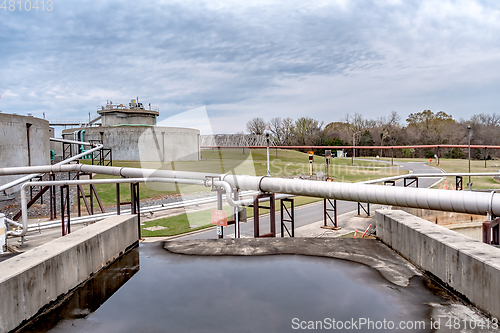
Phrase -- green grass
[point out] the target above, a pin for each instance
(179, 224)
(107, 192)
(454, 165)
(461, 165)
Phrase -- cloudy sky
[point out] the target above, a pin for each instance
(243, 59)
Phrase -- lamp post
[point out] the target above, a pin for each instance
(267, 132)
(468, 136)
(354, 146)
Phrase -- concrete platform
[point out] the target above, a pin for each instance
(348, 223)
(467, 266)
(32, 280)
(365, 251)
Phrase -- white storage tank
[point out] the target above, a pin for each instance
(143, 142)
(132, 134)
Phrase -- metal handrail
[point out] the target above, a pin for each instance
(118, 107)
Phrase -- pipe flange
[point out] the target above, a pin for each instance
(490, 206)
(260, 181)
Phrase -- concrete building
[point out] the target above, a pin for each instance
(24, 141)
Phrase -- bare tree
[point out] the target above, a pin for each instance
(425, 127)
(288, 126)
(306, 130)
(256, 126)
(276, 127)
(394, 119)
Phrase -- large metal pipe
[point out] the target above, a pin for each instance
(108, 170)
(453, 201)
(28, 177)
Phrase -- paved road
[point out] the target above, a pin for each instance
(314, 212)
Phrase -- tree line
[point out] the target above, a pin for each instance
(420, 128)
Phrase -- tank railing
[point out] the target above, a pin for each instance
(110, 107)
(67, 121)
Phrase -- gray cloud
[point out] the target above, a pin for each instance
(243, 60)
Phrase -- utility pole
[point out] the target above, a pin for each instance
(468, 136)
(354, 146)
(267, 132)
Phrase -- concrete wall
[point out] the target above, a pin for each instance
(145, 143)
(473, 230)
(31, 280)
(55, 146)
(14, 144)
(468, 266)
(118, 118)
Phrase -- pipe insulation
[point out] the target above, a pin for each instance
(32, 175)
(453, 201)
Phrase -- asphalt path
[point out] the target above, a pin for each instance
(311, 213)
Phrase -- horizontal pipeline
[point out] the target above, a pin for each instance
(453, 201)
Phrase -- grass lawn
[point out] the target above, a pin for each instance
(454, 165)
(179, 224)
(461, 165)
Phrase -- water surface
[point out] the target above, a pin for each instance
(152, 290)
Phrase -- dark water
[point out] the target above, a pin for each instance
(151, 290)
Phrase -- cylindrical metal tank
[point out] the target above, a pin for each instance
(24, 141)
(143, 142)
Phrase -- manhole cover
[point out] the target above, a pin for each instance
(155, 228)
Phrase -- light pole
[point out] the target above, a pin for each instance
(353, 146)
(267, 132)
(468, 136)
